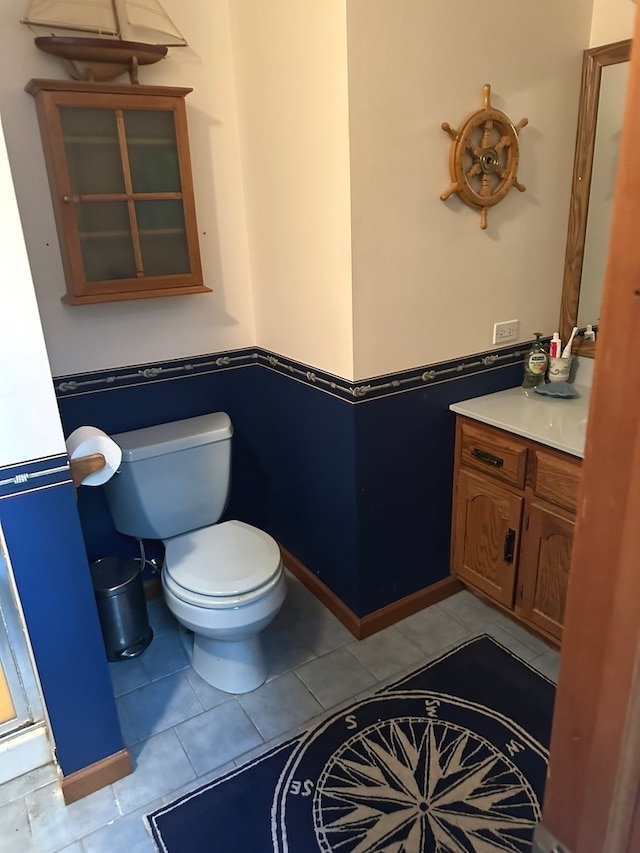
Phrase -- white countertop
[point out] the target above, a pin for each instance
(554, 421)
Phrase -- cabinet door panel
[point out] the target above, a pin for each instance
(152, 151)
(105, 240)
(92, 151)
(544, 568)
(163, 237)
(486, 536)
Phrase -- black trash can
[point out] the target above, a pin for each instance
(117, 584)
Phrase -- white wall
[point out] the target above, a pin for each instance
(291, 65)
(345, 252)
(428, 283)
(612, 21)
(424, 283)
(91, 337)
(29, 421)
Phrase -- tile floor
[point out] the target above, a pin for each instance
(182, 733)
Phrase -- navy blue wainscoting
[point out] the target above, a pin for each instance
(355, 481)
(47, 554)
(405, 452)
(306, 444)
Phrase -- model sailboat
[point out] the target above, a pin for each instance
(117, 35)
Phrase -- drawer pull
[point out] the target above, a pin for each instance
(487, 458)
(509, 544)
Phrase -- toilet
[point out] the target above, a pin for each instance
(223, 582)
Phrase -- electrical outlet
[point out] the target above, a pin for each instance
(507, 331)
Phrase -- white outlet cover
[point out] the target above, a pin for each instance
(505, 331)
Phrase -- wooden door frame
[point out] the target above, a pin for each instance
(591, 800)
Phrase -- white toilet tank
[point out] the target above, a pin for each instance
(173, 478)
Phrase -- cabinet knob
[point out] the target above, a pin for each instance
(66, 199)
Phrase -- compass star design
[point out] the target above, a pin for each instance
(416, 785)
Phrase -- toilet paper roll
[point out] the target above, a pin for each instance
(89, 439)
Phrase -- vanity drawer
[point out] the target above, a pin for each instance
(557, 479)
(495, 452)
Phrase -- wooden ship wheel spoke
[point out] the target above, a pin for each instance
(484, 157)
(486, 136)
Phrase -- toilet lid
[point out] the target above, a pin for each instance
(226, 559)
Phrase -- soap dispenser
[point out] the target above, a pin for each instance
(536, 362)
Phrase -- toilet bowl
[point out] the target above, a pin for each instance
(225, 583)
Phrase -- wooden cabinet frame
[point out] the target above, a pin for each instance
(513, 520)
(51, 97)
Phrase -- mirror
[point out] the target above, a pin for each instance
(600, 117)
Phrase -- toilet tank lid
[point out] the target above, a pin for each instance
(172, 437)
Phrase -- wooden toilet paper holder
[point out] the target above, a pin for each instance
(85, 465)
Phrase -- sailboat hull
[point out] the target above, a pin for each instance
(100, 59)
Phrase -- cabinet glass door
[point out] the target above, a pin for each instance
(124, 173)
(95, 167)
(155, 170)
(119, 170)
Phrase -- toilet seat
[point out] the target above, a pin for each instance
(222, 566)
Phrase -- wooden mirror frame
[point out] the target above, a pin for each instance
(595, 59)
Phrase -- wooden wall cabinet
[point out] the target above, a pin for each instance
(513, 519)
(119, 170)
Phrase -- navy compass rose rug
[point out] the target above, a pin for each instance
(449, 759)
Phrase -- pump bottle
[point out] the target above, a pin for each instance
(536, 362)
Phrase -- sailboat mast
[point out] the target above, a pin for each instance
(122, 19)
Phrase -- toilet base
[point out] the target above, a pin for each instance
(234, 666)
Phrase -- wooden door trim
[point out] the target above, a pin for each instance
(591, 790)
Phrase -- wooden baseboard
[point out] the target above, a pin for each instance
(365, 626)
(321, 592)
(393, 613)
(95, 776)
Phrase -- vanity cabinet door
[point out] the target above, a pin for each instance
(486, 536)
(544, 568)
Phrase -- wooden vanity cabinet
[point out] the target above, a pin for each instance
(119, 170)
(513, 520)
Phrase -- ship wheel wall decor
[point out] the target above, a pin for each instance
(484, 157)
